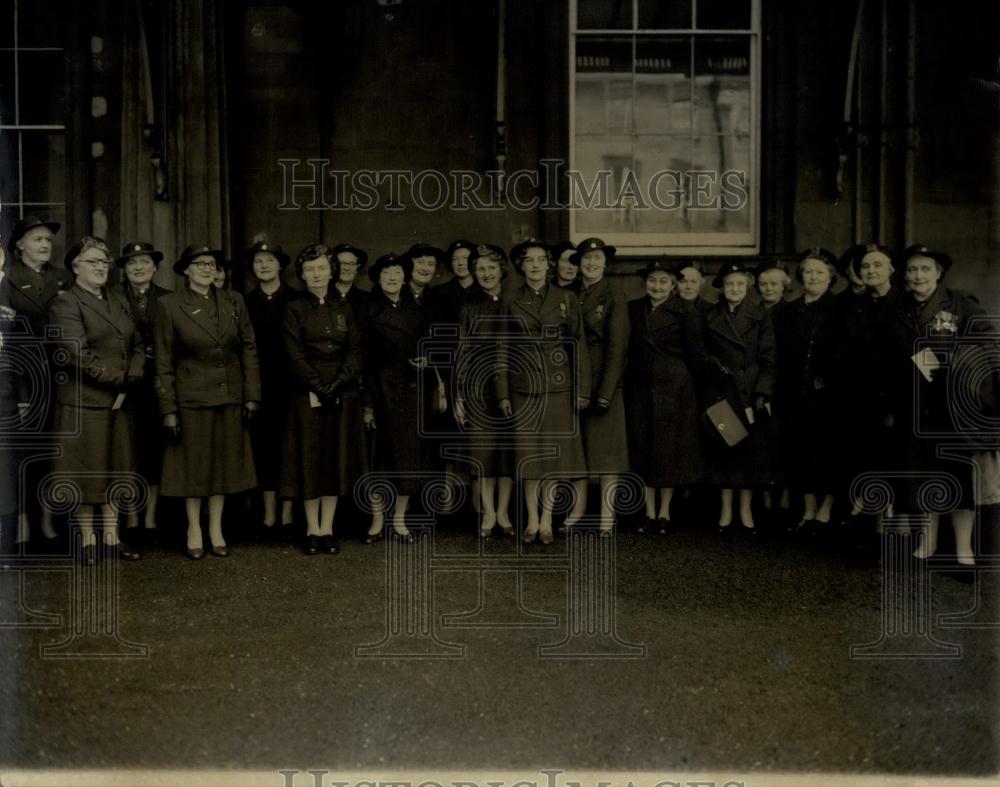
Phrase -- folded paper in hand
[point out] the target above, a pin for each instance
(927, 362)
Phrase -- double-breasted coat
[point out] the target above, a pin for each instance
(606, 328)
(666, 443)
(543, 368)
(805, 402)
(324, 444)
(145, 404)
(922, 410)
(206, 371)
(483, 327)
(741, 366)
(267, 315)
(399, 393)
(106, 359)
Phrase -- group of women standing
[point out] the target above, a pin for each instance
(302, 391)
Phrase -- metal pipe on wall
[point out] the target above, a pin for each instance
(883, 133)
(912, 138)
(501, 110)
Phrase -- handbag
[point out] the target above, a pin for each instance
(723, 420)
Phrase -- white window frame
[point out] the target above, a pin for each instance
(644, 244)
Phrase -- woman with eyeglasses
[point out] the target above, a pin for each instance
(324, 446)
(208, 381)
(94, 405)
(543, 384)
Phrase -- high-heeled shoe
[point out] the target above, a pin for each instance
(329, 545)
(403, 537)
(311, 547)
(90, 555)
(121, 551)
(566, 527)
(196, 553)
(647, 528)
(529, 535)
(374, 538)
(664, 525)
(220, 550)
(545, 536)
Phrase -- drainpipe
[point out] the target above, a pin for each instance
(500, 143)
(912, 134)
(883, 132)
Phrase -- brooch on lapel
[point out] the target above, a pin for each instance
(562, 309)
(944, 323)
(599, 311)
(341, 322)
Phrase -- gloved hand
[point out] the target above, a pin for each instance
(250, 410)
(602, 406)
(328, 393)
(172, 426)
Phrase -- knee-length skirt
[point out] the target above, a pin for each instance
(605, 440)
(323, 448)
(212, 456)
(98, 456)
(548, 443)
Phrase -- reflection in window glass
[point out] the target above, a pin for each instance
(604, 14)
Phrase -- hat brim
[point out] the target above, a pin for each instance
(609, 253)
(720, 278)
(403, 262)
(54, 227)
(220, 258)
(156, 256)
(283, 259)
(939, 257)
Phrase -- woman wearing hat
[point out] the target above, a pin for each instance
(806, 331)
(94, 408)
(739, 345)
(394, 374)
(324, 447)
(690, 279)
(348, 262)
(606, 326)
(266, 306)
(425, 260)
(140, 262)
(866, 411)
(926, 331)
(454, 294)
(34, 284)
(567, 268)
(538, 387)
(661, 405)
(208, 381)
(477, 407)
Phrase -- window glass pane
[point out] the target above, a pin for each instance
(663, 86)
(662, 163)
(6, 24)
(8, 169)
(664, 14)
(604, 14)
(44, 166)
(720, 194)
(603, 86)
(722, 86)
(723, 14)
(41, 23)
(42, 78)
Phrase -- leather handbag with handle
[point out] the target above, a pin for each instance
(725, 422)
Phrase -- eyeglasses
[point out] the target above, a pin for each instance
(345, 264)
(204, 265)
(103, 261)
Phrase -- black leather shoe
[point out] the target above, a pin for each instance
(121, 551)
(404, 538)
(312, 545)
(195, 554)
(664, 524)
(648, 528)
(90, 555)
(220, 551)
(374, 538)
(328, 545)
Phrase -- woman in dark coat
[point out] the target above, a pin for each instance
(348, 262)
(739, 346)
(864, 401)
(140, 262)
(34, 284)
(566, 272)
(926, 334)
(397, 381)
(806, 333)
(537, 384)
(324, 446)
(661, 404)
(208, 381)
(93, 410)
(266, 306)
(606, 327)
(476, 405)
(690, 280)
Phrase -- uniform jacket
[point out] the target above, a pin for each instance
(745, 345)
(483, 325)
(392, 334)
(806, 337)
(202, 362)
(322, 342)
(546, 335)
(144, 326)
(31, 294)
(102, 343)
(606, 325)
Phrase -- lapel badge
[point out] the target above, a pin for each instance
(341, 322)
(599, 311)
(562, 309)
(945, 323)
